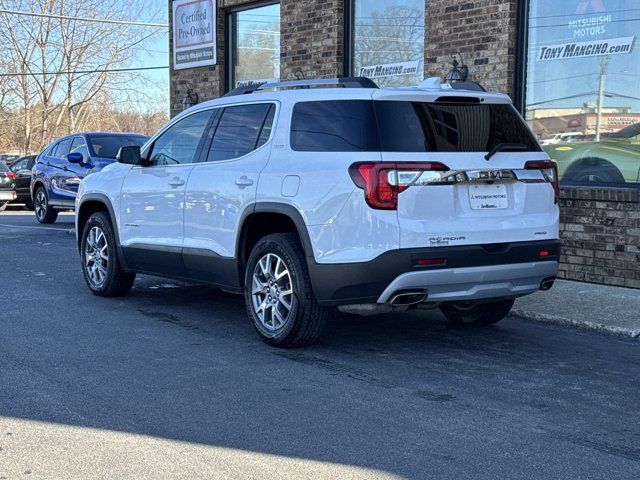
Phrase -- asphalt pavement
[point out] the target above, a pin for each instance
(172, 382)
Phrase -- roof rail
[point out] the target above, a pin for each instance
(243, 90)
(344, 82)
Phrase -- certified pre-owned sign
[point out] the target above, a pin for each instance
(609, 46)
(194, 33)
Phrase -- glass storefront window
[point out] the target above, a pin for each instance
(582, 89)
(255, 45)
(388, 41)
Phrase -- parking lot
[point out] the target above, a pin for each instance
(172, 382)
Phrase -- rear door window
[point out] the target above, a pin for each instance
(239, 131)
(333, 126)
(20, 165)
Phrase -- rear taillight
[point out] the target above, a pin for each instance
(383, 181)
(549, 171)
(11, 175)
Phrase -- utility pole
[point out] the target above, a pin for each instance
(604, 60)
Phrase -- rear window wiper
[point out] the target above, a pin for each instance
(501, 147)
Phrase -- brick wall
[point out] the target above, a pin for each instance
(600, 231)
(483, 31)
(311, 43)
(207, 82)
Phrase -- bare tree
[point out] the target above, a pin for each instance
(390, 36)
(65, 65)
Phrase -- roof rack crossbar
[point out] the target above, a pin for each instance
(344, 82)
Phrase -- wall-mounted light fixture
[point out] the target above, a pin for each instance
(459, 72)
(189, 100)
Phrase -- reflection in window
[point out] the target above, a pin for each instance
(388, 41)
(255, 52)
(238, 132)
(582, 93)
(333, 126)
(179, 143)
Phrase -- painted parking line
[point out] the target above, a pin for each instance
(67, 230)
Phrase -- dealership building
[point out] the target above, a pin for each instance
(572, 68)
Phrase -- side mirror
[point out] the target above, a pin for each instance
(129, 155)
(75, 157)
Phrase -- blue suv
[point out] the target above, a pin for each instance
(66, 161)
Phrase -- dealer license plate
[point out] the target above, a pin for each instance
(488, 196)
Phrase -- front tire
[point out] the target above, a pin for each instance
(45, 213)
(278, 294)
(101, 266)
(476, 314)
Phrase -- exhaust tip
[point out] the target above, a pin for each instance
(547, 283)
(408, 297)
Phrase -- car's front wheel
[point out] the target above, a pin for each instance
(278, 294)
(476, 314)
(101, 266)
(45, 213)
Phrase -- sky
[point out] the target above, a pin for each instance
(155, 53)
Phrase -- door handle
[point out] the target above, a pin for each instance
(176, 182)
(244, 181)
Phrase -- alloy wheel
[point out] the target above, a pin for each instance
(272, 292)
(96, 256)
(41, 204)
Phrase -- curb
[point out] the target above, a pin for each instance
(583, 324)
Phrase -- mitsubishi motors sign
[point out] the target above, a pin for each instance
(194, 33)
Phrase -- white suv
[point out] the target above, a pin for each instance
(314, 194)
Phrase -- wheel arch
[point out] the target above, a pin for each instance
(90, 204)
(37, 183)
(262, 219)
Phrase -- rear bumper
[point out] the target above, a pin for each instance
(7, 195)
(474, 283)
(467, 273)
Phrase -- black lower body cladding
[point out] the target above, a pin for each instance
(348, 283)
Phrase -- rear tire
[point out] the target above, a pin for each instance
(476, 314)
(29, 206)
(45, 213)
(278, 294)
(101, 267)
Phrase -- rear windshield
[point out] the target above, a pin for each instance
(3, 167)
(400, 126)
(107, 146)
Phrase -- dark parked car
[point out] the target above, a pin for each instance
(7, 186)
(22, 170)
(65, 162)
